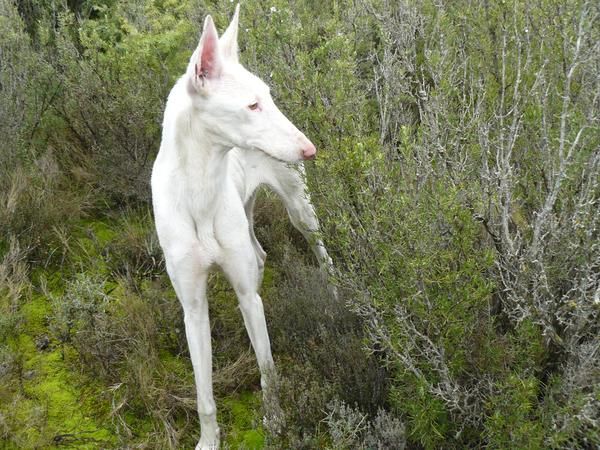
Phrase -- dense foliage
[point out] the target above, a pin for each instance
(458, 188)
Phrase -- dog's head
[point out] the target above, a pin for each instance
(234, 105)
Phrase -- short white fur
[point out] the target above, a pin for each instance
(223, 137)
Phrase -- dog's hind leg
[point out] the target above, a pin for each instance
(239, 265)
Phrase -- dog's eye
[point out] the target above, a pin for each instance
(253, 106)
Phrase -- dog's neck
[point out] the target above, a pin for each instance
(203, 162)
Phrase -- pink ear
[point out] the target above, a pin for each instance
(209, 57)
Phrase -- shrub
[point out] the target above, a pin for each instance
(457, 186)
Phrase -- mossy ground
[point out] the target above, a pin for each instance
(51, 400)
(242, 421)
(50, 404)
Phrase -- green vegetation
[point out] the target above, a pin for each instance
(457, 184)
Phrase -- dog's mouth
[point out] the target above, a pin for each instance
(283, 161)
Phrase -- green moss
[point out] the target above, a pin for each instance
(35, 311)
(176, 364)
(54, 405)
(241, 417)
(68, 410)
(102, 231)
(46, 401)
(268, 280)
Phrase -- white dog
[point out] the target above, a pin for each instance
(222, 137)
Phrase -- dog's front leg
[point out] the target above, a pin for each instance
(189, 277)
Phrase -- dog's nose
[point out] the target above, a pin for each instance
(309, 151)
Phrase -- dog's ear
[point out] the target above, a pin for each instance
(206, 63)
(229, 45)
